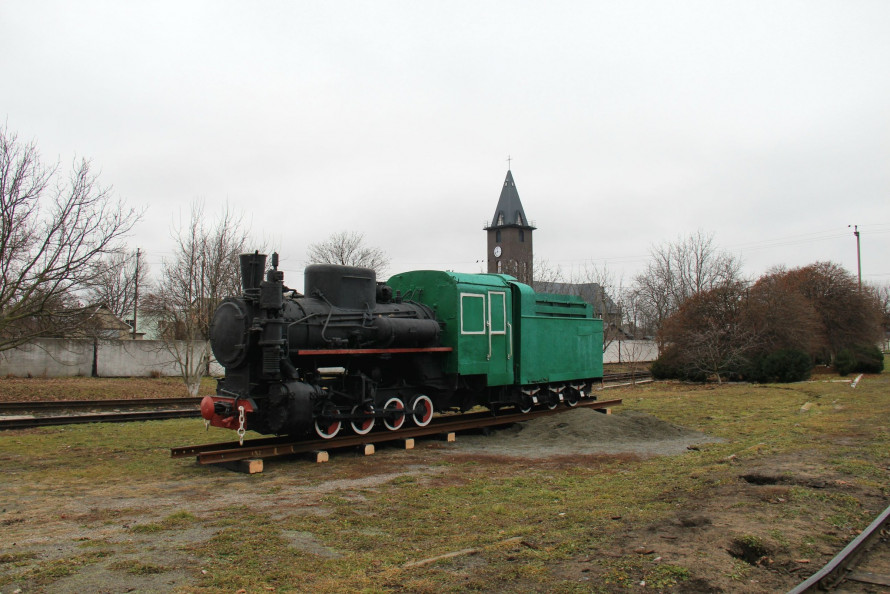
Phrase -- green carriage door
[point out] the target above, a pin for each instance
(500, 337)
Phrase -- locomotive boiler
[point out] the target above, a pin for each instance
(353, 352)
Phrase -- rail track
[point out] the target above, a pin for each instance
(29, 414)
(271, 447)
(844, 570)
(56, 405)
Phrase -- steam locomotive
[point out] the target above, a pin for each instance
(353, 351)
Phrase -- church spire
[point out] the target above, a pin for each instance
(510, 236)
(509, 211)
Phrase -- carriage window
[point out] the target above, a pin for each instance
(497, 312)
(472, 313)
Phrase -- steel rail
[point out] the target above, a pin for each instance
(273, 447)
(25, 405)
(185, 451)
(836, 570)
(119, 417)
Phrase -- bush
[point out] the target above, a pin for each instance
(672, 364)
(859, 359)
(787, 365)
(667, 365)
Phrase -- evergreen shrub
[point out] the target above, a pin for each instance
(859, 359)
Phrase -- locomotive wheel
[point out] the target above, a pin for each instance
(422, 410)
(365, 425)
(553, 401)
(572, 397)
(326, 428)
(526, 405)
(395, 423)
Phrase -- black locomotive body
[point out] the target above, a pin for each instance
(347, 351)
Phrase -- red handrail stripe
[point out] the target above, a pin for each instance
(373, 351)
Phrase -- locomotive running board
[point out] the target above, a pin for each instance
(271, 447)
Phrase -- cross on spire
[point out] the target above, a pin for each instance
(508, 161)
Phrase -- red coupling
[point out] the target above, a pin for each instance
(207, 407)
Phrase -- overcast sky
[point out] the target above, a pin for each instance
(629, 124)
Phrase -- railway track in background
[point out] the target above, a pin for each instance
(29, 414)
(56, 405)
(863, 565)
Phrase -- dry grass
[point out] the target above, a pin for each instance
(96, 388)
(91, 508)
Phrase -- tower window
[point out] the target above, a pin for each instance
(500, 218)
(522, 235)
(518, 218)
(500, 267)
(497, 236)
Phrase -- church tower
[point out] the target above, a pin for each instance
(510, 236)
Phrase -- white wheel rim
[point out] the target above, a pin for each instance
(394, 404)
(329, 430)
(427, 416)
(363, 427)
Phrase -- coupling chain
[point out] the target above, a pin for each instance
(241, 430)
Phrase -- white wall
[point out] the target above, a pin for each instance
(51, 357)
(640, 351)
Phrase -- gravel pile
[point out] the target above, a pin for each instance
(585, 431)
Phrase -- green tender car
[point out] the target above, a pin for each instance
(523, 347)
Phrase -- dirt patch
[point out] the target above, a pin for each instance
(740, 534)
(585, 432)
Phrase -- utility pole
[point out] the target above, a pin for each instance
(858, 260)
(136, 294)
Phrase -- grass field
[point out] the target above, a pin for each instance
(96, 388)
(801, 468)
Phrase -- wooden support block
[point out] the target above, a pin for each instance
(321, 456)
(605, 411)
(367, 449)
(450, 437)
(409, 443)
(245, 466)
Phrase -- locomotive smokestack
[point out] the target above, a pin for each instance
(252, 268)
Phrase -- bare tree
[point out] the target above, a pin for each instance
(679, 270)
(849, 317)
(348, 248)
(204, 270)
(116, 281)
(781, 316)
(709, 332)
(52, 232)
(882, 299)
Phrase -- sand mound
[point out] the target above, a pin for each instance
(585, 431)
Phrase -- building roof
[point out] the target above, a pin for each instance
(592, 293)
(509, 212)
